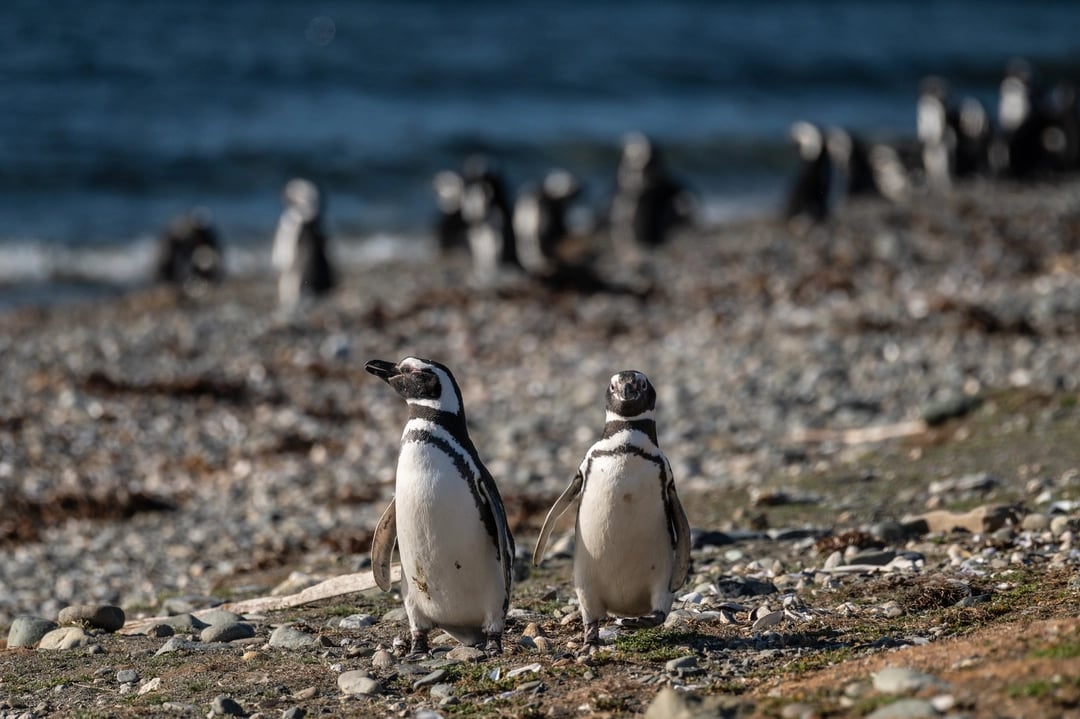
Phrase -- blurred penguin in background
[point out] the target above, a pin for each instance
(299, 252)
(808, 197)
(1061, 138)
(189, 253)
(935, 123)
(451, 231)
(1020, 152)
(851, 156)
(489, 230)
(648, 201)
(974, 135)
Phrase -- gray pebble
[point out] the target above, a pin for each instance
(185, 623)
(383, 659)
(357, 621)
(442, 691)
(1059, 525)
(1035, 523)
(287, 637)
(228, 632)
(127, 676)
(219, 616)
(294, 713)
(188, 603)
(466, 654)
(226, 706)
(876, 558)
(65, 638)
(674, 665)
(159, 631)
(396, 615)
(904, 709)
(175, 644)
(902, 680)
(358, 682)
(27, 630)
(433, 678)
(99, 616)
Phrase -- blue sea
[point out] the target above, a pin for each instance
(120, 114)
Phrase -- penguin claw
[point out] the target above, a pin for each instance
(493, 647)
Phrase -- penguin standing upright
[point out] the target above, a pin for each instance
(633, 541)
(485, 208)
(189, 253)
(809, 194)
(1022, 118)
(447, 516)
(935, 122)
(851, 155)
(299, 250)
(648, 201)
(451, 231)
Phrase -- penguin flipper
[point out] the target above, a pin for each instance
(681, 526)
(557, 510)
(382, 546)
(504, 541)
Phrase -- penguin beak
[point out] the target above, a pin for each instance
(629, 392)
(382, 369)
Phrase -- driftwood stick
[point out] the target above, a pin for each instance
(333, 587)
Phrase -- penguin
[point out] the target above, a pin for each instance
(486, 211)
(447, 516)
(189, 252)
(851, 155)
(540, 224)
(1061, 138)
(935, 122)
(299, 250)
(632, 550)
(451, 231)
(809, 193)
(648, 202)
(1020, 152)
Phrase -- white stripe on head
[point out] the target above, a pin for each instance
(448, 399)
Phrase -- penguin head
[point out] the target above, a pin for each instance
(809, 140)
(304, 197)
(421, 382)
(630, 394)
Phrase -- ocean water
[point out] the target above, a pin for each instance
(121, 114)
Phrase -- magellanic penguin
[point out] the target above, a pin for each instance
(189, 253)
(299, 251)
(451, 232)
(809, 193)
(632, 549)
(447, 516)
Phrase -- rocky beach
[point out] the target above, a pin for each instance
(872, 422)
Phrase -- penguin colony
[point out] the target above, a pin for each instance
(447, 518)
(1036, 135)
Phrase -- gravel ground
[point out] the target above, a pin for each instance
(154, 450)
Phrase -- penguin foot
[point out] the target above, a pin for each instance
(493, 646)
(647, 621)
(419, 646)
(591, 640)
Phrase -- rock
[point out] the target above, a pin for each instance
(744, 587)
(226, 706)
(395, 616)
(902, 680)
(151, 686)
(358, 682)
(294, 713)
(188, 603)
(127, 676)
(981, 482)
(99, 616)
(466, 654)
(433, 678)
(185, 623)
(767, 621)
(700, 538)
(159, 631)
(442, 691)
(175, 644)
(288, 637)
(227, 632)
(670, 704)
(674, 665)
(542, 644)
(295, 582)
(878, 558)
(27, 630)
(889, 531)
(987, 518)
(1059, 525)
(904, 709)
(532, 630)
(357, 621)
(1035, 523)
(210, 617)
(65, 638)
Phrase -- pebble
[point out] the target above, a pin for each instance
(358, 682)
(185, 623)
(383, 659)
(466, 654)
(150, 686)
(543, 644)
(65, 638)
(127, 676)
(434, 677)
(674, 665)
(176, 644)
(904, 709)
(227, 632)
(357, 621)
(99, 616)
(902, 680)
(210, 617)
(395, 616)
(442, 691)
(159, 631)
(288, 637)
(226, 706)
(27, 630)
(294, 713)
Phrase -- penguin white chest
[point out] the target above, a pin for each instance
(448, 558)
(623, 553)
